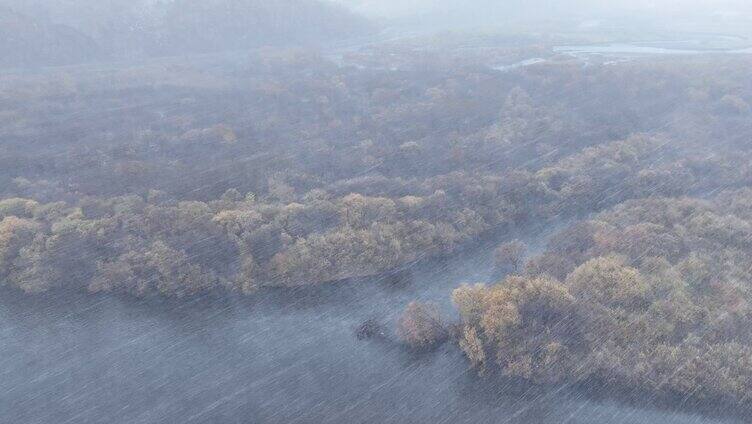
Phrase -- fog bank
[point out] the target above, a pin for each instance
(490, 14)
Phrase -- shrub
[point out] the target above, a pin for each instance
(421, 326)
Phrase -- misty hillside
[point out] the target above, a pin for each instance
(216, 25)
(28, 42)
(70, 32)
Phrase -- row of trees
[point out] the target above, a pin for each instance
(294, 171)
(240, 242)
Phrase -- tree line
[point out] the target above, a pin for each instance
(295, 171)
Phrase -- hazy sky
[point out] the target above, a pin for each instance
(712, 15)
(402, 8)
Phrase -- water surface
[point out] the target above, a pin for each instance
(271, 358)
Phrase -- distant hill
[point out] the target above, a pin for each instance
(25, 41)
(215, 25)
(46, 32)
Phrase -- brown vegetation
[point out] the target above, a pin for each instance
(421, 326)
(664, 309)
(302, 177)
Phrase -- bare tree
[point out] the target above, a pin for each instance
(510, 255)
